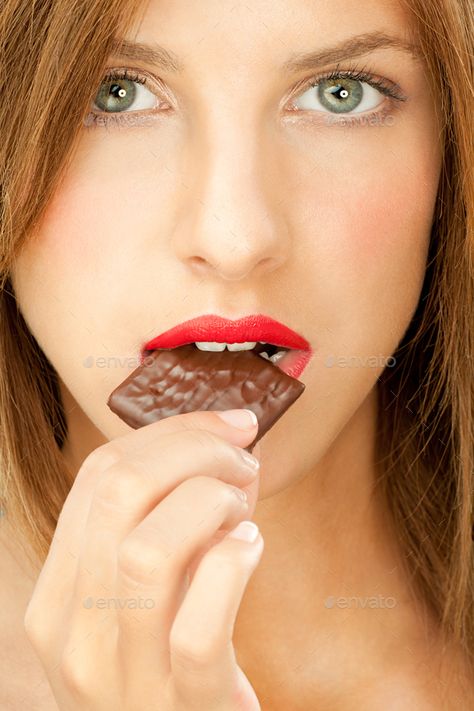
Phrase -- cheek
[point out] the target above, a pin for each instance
(77, 276)
(69, 233)
(367, 235)
(367, 253)
(111, 198)
(52, 277)
(393, 207)
(389, 223)
(87, 225)
(386, 263)
(384, 232)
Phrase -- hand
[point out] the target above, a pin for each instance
(135, 606)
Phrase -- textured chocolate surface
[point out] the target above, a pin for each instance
(175, 381)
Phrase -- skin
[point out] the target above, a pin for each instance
(232, 204)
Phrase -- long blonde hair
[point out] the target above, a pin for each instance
(52, 56)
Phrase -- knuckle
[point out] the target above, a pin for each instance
(75, 672)
(118, 484)
(34, 626)
(189, 654)
(101, 458)
(143, 560)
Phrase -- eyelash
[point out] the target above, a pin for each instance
(391, 90)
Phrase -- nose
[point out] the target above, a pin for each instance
(231, 223)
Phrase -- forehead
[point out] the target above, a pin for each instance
(264, 31)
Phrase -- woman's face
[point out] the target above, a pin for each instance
(234, 187)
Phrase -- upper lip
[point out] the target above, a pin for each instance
(221, 330)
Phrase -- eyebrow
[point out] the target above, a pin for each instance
(150, 54)
(353, 47)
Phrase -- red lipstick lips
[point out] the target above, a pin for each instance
(251, 328)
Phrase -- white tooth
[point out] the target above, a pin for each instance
(264, 355)
(278, 356)
(247, 346)
(210, 346)
(264, 343)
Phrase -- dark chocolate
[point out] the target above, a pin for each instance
(175, 381)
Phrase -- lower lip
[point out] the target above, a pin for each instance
(294, 363)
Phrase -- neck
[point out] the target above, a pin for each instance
(330, 575)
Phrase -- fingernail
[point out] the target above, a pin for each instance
(245, 531)
(250, 460)
(240, 493)
(242, 419)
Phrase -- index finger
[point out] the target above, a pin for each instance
(198, 420)
(63, 554)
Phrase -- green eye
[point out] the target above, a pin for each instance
(120, 92)
(340, 95)
(116, 95)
